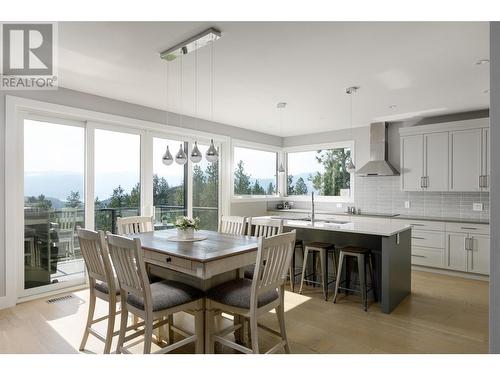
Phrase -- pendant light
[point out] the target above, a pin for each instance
(212, 154)
(351, 168)
(181, 157)
(281, 107)
(167, 158)
(195, 152)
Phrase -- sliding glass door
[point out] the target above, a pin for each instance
(117, 176)
(54, 165)
(79, 174)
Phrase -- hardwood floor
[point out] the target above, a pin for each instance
(444, 314)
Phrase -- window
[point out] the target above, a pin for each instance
(54, 165)
(321, 171)
(117, 177)
(206, 191)
(255, 172)
(169, 190)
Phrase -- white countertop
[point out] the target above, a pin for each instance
(361, 228)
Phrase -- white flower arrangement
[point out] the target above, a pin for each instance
(186, 223)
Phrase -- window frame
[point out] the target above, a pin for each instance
(315, 147)
(258, 147)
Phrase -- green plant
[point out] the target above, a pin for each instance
(184, 222)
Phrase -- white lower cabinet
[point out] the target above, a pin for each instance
(456, 254)
(478, 260)
(429, 257)
(468, 253)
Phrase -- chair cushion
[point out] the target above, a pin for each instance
(237, 293)
(104, 288)
(167, 294)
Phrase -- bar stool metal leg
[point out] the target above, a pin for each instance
(362, 279)
(339, 273)
(324, 272)
(304, 266)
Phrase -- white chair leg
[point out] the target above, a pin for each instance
(280, 314)
(148, 334)
(123, 326)
(111, 326)
(254, 333)
(90, 318)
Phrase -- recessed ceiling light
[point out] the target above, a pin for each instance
(483, 62)
(487, 91)
(392, 106)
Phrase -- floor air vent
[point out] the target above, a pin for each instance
(60, 299)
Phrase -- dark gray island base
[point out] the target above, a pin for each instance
(391, 258)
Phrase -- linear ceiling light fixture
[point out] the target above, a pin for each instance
(192, 44)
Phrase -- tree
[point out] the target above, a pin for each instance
(335, 175)
(73, 200)
(118, 198)
(134, 199)
(199, 182)
(300, 187)
(242, 184)
(160, 190)
(270, 189)
(39, 202)
(289, 184)
(257, 189)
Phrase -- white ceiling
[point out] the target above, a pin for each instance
(423, 68)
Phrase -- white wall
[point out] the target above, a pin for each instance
(495, 188)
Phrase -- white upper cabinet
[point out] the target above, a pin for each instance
(465, 156)
(412, 162)
(436, 161)
(485, 182)
(452, 156)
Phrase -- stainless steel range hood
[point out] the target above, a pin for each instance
(378, 164)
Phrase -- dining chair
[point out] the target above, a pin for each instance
(64, 226)
(252, 298)
(151, 302)
(233, 225)
(262, 227)
(102, 284)
(134, 224)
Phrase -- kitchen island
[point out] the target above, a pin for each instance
(389, 243)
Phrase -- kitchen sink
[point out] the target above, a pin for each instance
(309, 219)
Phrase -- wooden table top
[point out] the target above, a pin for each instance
(216, 246)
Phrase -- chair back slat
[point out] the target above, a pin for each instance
(264, 227)
(273, 261)
(233, 225)
(66, 219)
(134, 224)
(128, 261)
(96, 256)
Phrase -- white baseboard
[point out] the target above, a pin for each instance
(465, 275)
(52, 293)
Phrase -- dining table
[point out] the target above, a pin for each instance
(212, 259)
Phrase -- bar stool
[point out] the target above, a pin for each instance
(299, 244)
(324, 249)
(364, 258)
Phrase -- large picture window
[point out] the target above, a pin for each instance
(322, 171)
(255, 172)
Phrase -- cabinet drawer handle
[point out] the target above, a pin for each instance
(468, 228)
(418, 238)
(418, 256)
(168, 260)
(417, 225)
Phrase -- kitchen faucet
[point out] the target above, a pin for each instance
(312, 207)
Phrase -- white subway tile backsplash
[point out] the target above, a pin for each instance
(383, 195)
